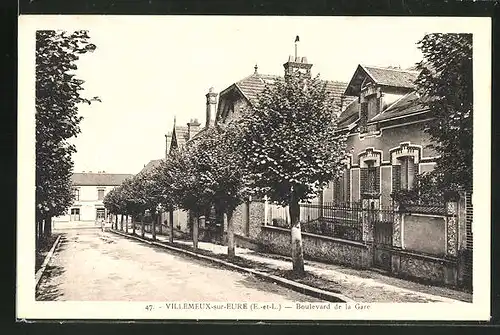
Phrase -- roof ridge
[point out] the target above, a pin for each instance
(388, 68)
(257, 75)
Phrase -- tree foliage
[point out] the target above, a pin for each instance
(446, 79)
(217, 163)
(289, 139)
(291, 148)
(58, 94)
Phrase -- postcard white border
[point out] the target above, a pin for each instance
(28, 308)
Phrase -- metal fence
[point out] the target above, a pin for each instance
(339, 219)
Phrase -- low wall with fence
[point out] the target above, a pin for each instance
(419, 241)
(316, 247)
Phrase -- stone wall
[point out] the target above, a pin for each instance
(316, 247)
(426, 268)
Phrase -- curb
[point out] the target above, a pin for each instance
(290, 284)
(40, 271)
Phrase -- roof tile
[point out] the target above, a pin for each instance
(99, 179)
(393, 77)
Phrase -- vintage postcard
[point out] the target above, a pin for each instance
(253, 168)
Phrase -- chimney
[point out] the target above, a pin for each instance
(296, 64)
(193, 127)
(211, 103)
(168, 141)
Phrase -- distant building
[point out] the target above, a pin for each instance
(89, 190)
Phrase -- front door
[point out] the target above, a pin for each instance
(100, 214)
(75, 214)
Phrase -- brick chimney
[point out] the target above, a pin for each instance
(297, 64)
(211, 110)
(193, 127)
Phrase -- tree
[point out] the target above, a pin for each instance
(57, 120)
(291, 148)
(168, 174)
(219, 175)
(188, 186)
(446, 81)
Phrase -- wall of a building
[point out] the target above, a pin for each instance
(388, 139)
(88, 203)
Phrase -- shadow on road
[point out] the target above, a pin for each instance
(49, 288)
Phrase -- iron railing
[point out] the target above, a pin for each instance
(334, 219)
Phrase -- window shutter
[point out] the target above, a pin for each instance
(363, 180)
(377, 179)
(347, 190)
(411, 172)
(363, 118)
(396, 178)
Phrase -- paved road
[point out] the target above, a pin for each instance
(93, 266)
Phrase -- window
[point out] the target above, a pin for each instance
(100, 213)
(404, 174)
(342, 187)
(370, 178)
(100, 194)
(76, 194)
(75, 214)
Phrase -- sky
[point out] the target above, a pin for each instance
(148, 70)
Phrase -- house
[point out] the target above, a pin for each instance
(385, 134)
(232, 104)
(354, 220)
(177, 139)
(89, 190)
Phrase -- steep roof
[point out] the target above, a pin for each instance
(349, 115)
(388, 76)
(99, 179)
(393, 77)
(179, 136)
(254, 84)
(151, 165)
(409, 104)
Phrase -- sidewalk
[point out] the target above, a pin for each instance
(359, 285)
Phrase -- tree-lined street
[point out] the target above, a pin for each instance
(93, 266)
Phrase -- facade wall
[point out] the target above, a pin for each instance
(382, 144)
(88, 203)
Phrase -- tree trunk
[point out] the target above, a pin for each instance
(40, 229)
(171, 226)
(297, 252)
(116, 222)
(143, 226)
(126, 223)
(133, 226)
(153, 227)
(121, 222)
(231, 249)
(160, 224)
(195, 232)
(37, 233)
(47, 229)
